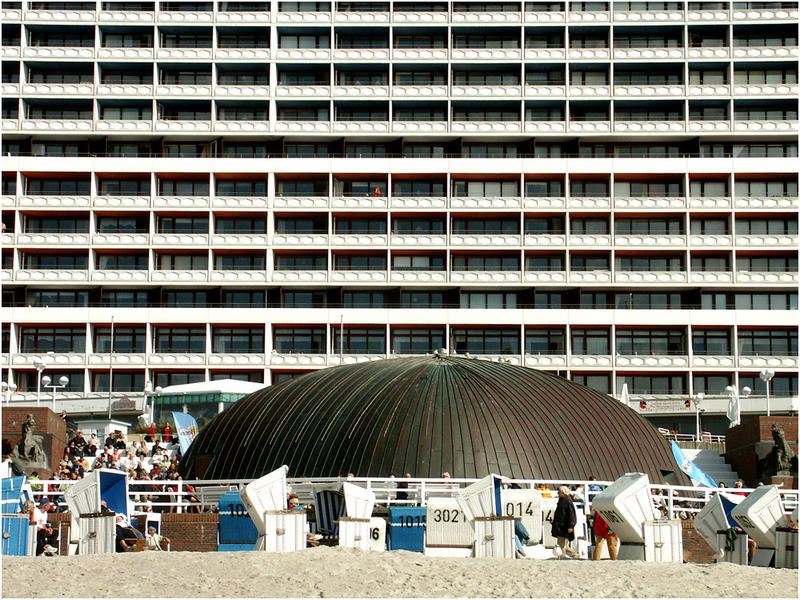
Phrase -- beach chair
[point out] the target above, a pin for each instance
(713, 523)
(279, 529)
(330, 506)
(760, 514)
(482, 505)
(354, 529)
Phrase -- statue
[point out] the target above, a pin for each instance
(28, 449)
(780, 460)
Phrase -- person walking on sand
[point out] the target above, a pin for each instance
(564, 521)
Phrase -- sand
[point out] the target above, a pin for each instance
(340, 572)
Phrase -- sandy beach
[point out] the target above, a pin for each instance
(342, 573)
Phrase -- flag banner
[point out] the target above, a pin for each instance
(691, 469)
(187, 429)
(733, 409)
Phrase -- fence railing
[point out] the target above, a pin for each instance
(203, 495)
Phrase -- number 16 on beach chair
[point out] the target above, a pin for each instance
(279, 529)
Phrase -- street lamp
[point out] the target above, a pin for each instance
(698, 398)
(766, 376)
(62, 383)
(40, 366)
(8, 390)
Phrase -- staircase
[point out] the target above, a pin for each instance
(713, 464)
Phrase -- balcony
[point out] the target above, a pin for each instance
(712, 91)
(767, 241)
(601, 202)
(485, 277)
(774, 14)
(300, 240)
(766, 277)
(650, 241)
(485, 240)
(242, 54)
(545, 241)
(589, 16)
(184, 53)
(303, 126)
(50, 275)
(119, 276)
(590, 360)
(276, 359)
(664, 361)
(761, 362)
(710, 277)
(590, 126)
(707, 126)
(56, 52)
(419, 202)
(358, 276)
(121, 239)
(545, 276)
(361, 54)
(708, 16)
(124, 90)
(301, 201)
(590, 91)
(421, 240)
(709, 202)
(240, 240)
(649, 126)
(57, 125)
(543, 54)
(558, 202)
(590, 240)
(589, 54)
(648, 91)
(315, 54)
(713, 362)
(505, 54)
(545, 91)
(299, 276)
(67, 201)
(167, 276)
(758, 52)
(180, 239)
(361, 126)
(546, 361)
(58, 89)
(72, 17)
(648, 53)
(181, 202)
(486, 91)
(242, 276)
(485, 127)
(243, 126)
(790, 202)
(125, 16)
(648, 16)
(419, 126)
(243, 17)
(594, 276)
(184, 359)
(651, 277)
(545, 17)
(183, 91)
(766, 126)
(545, 126)
(53, 239)
(121, 359)
(420, 17)
(418, 277)
(710, 241)
(55, 359)
(303, 18)
(359, 202)
(299, 91)
(128, 125)
(657, 202)
(147, 54)
(120, 201)
(419, 54)
(361, 17)
(360, 91)
(490, 202)
(486, 17)
(705, 52)
(338, 239)
(767, 90)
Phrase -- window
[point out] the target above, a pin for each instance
(586, 77)
(123, 224)
(711, 384)
(356, 262)
(304, 77)
(766, 38)
(469, 77)
(183, 187)
(239, 262)
(470, 299)
(57, 187)
(589, 188)
(772, 111)
(544, 262)
(66, 74)
(709, 189)
(709, 226)
(672, 112)
(589, 226)
(304, 112)
(51, 298)
(311, 187)
(647, 77)
(419, 113)
(304, 40)
(486, 112)
(545, 341)
(246, 112)
(47, 224)
(588, 40)
(648, 300)
(423, 149)
(545, 76)
(241, 187)
(27, 381)
(180, 339)
(653, 384)
(649, 39)
(300, 262)
(185, 298)
(182, 262)
(302, 299)
(418, 188)
(363, 299)
(53, 339)
(240, 225)
(126, 339)
(771, 188)
(80, 37)
(237, 340)
(417, 340)
(703, 262)
(592, 299)
(188, 111)
(143, 39)
(242, 76)
(662, 226)
(55, 261)
(764, 76)
(544, 189)
(638, 189)
(304, 7)
(362, 40)
(781, 384)
(422, 299)
(711, 342)
(360, 188)
(485, 262)
(599, 382)
(419, 77)
(356, 225)
(363, 149)
(638, 150)
(123, 381)
(485, 189)
(489, 150)
(770, 342)
(544, 112)
(590, 341)
(767, 226)
(186, 40)
(185, 224)
(244, 298)
(417, 262)
(765, 301)
(121, 262)
(709, 77)
(649, 263)
(132, 75)
(478, 40)
(361, 112)
(485, 340)
(363, 77)
(251, 39)
(499, 226)
(306, 149)
(420, 40)
(650, 341)
(590, 262)
(762, 149)
(124, 298)
(772, 264)
(299, 340)
(361, 340)
(128, 148)
(123, 187)
(309, 224)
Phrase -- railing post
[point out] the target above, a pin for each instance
(180, 496)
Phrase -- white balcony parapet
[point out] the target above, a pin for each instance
(485, 202)
(590, 360)
(589, 16)
(709, 90)
(10, 52)
(654, 277)
(486, 91)
(760, 241)
(55, 359)
(486, 17)
(303, 53)
(9, 15)
(58, 89)
(416, 91)
(242, 54)
(766, 52)
(708, 16)
(352, 359)
(361, 17)
(241, 126)
(301, 202)
(545, 240)
(183, 90)
(485, 127)
(712, 362)
(120, 201)
(124, 89)
(418, 277)
(485, 276)
(317, 240)
(771, 14)
(485, 240)
(546, 361)
(179, 276)
(708, 52)
(66, 201)
(181, 202)
(278, 359)
(545, 91)
(648, 53)
(545, 202)
(60, 125)
(177, 358)
(241, 358)
(243, 17)
(242, 240)
(648, 16)
(545, 17)
(589, 202)
(361, 54)
(300, 276)
(589, 54)
(360, 91)
(649, 361)
(125, 16)
(338, 239)
(545, 276)
(181, 126)
(589, 240)
(359, 202)
(510, 54)
(590, 126)
(120, 275)
(647, 91)
(649, 126)
(594, 276)
(711, 241)
(420, 17)
(303, 126)
(760, 362)
(766, 277)
(767, 90)
(243, 91)
(419, 202)
(710, 277)
(303, 18)
(51, 275)
(185, 53)
(179, 239)
(709, 202)
(418, 240)
(53, 239)
(127, 125)
(419, 54)
(10, 89)
(545, 53)
(545, 126)
(259, 202)
(120, 239)
(770, 126)
(658, 202)
(358, 276)
(57, 52)
(120, 359)
(361, 126)
(8, 201)
(301, 91)
(419, 126)
(590, 91)
(653, 241)
(191, 17)
(239, 276)
(126, 53)
(790, 202)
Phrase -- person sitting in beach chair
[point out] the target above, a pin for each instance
(156, 541)
(127, 535)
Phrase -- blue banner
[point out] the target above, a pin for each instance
(186, 426)
(691, 469)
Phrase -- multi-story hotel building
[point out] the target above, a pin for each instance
(605, 190)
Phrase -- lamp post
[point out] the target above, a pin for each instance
(62, 383)
(8, 390)
(698, 398)
(766, 376)
(40, 366)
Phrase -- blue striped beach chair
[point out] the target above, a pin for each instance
(330, 507)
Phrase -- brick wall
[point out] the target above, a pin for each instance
(751, 440)
(695, 549)
(193, 532)
(50, 431)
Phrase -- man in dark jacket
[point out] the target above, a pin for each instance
(564, 521)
